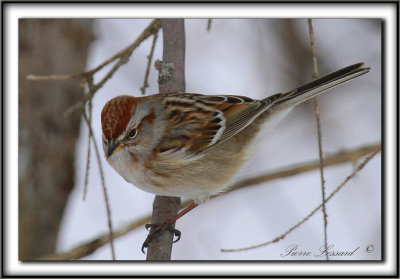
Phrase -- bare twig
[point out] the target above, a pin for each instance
(319, 133)
(90, 247)
(89, 81)
(209, 21)
(56, 77)
(360, 166)
(313, 49)
(330, 160)
(109, 221)
(85, 186)
(122, 56)
(150, 58)
(152, 28)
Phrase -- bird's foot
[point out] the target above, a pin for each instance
(158, 229)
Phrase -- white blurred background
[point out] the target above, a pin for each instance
(255, 58)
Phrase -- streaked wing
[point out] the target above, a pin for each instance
(200, 122)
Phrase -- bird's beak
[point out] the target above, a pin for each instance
(113, 147)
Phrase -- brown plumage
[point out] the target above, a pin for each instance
(182, 144)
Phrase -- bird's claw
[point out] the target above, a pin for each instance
(158, 229)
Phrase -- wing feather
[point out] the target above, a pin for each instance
(199, 122)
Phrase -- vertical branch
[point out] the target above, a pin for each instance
(317, 117)
(171, 79)
(174, 53)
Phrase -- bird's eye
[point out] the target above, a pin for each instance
(132, 133)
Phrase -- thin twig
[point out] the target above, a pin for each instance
(86, 74)
(89, 82)
(122, 56)
(153, 27)
(319, 133)
(150, 58)
(56, 77)
(366, 160)
(109, 220)
(85, 185)
(209, 21)
(91, 246)
(330, 160)
(313, 49)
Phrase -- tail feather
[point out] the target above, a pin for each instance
(318, 86)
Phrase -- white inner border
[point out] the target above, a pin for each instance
(15, 11)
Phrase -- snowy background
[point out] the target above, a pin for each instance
(255, 58)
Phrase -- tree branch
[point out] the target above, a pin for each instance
(341, 157)
(122, 57)
(150, 58)
(165, 208)
(338, 188)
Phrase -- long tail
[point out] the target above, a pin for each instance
(318, 86)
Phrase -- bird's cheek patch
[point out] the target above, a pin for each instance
(150, 117)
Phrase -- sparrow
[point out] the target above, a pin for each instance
(191, 145)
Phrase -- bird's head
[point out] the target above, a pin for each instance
(132, 125)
